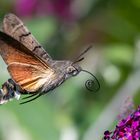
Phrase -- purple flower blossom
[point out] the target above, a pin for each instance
(58, 8)
(127, 129)
(25, 7)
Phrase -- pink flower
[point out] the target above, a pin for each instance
(127, 129)
(58, 8)
(25, 7)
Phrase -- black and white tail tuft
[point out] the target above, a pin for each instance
(8, 91)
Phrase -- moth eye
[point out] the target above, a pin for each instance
(70, 69)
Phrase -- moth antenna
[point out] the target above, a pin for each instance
(79, 60)
(92, 84)
(86, 50)
(31, 99)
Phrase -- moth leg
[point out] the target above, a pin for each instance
(29, 96)
(38, 95)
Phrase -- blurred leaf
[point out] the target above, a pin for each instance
(120, 53)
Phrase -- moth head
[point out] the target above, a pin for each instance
(69, 68)
(73, 70)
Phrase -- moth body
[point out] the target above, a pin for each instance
(31, 68)
(64, 70)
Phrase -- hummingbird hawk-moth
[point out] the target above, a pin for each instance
(31, 68)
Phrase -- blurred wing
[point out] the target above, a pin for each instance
(26, 69)
(29, 77)
(14, 27)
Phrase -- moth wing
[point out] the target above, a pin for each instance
(29, 77)
(25, 68)
(14, 27)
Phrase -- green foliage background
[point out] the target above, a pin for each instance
(70, 112)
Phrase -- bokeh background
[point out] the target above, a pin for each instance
(65, 28)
